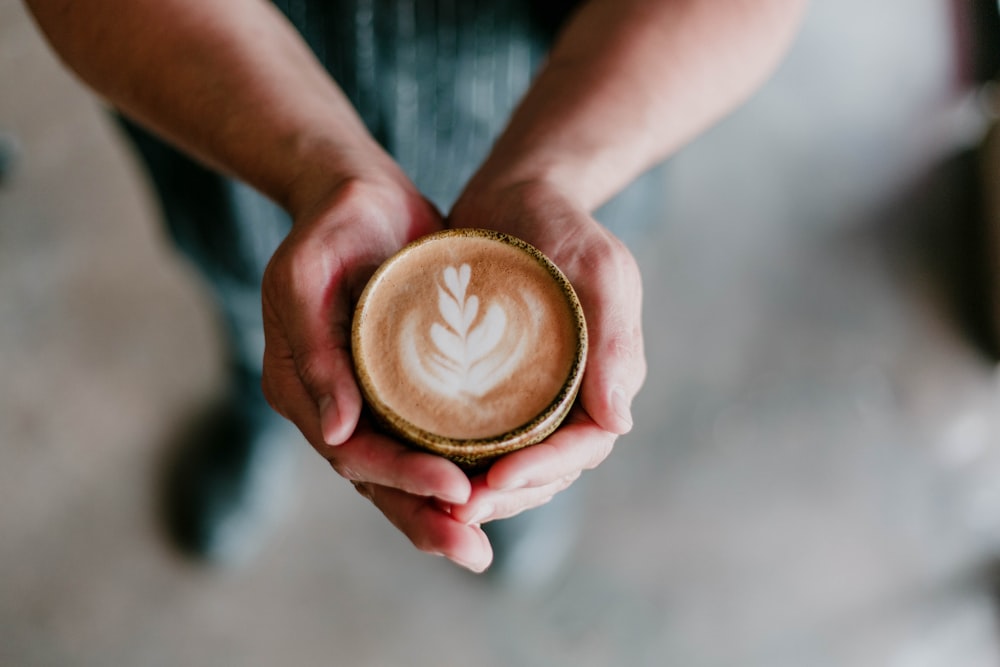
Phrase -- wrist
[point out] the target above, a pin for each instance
(498, 186)
(320, 167)
(357, 186)
(583, 175)
(536, 210)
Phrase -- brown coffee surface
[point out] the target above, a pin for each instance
(467, 337)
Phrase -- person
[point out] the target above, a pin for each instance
(361, 121)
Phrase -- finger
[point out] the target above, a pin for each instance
(328, 421)
(430, 529)
(616, 365)
(368, 456)
(286, 395)
(579, 444)
(488, 504)
(340, 408)
(372, 457)
(307, 320)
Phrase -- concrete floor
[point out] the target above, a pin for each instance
(814, 479)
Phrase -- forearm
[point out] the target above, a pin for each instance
(630, 81)
(230, 81)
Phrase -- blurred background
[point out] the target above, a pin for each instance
(814, 477)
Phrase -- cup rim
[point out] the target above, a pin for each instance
(471, 450)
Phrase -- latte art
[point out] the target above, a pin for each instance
(471, 355)
(469, 343)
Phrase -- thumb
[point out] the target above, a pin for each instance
(313, 386)
(616, 362)
(329, 379)
(615, 370)
(308, 372)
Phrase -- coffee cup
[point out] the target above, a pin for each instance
(470, 344)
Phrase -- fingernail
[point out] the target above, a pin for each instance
(478, 568)
(484, 511)
(327, 419)
(620, 404)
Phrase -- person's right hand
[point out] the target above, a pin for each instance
(309, 291)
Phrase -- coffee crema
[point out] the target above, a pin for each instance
(470, 343)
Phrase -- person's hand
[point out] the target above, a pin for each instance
(607, 281)
(309, 291)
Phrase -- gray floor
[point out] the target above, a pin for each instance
(814, 478)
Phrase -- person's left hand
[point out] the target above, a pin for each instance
(607, 281)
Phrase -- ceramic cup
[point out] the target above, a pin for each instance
(470, 344)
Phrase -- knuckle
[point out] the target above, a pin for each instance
(348, 472)
(611, 254)
(309, 366)
(276, 389)
(301, 262)
(278, 274)
(270, 394)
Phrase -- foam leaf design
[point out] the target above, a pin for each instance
(467, 360)
(487, 335)
(457, 280)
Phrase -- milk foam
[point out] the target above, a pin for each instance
(467, 338)
(468, 357)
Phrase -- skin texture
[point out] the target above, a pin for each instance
(626, 84)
